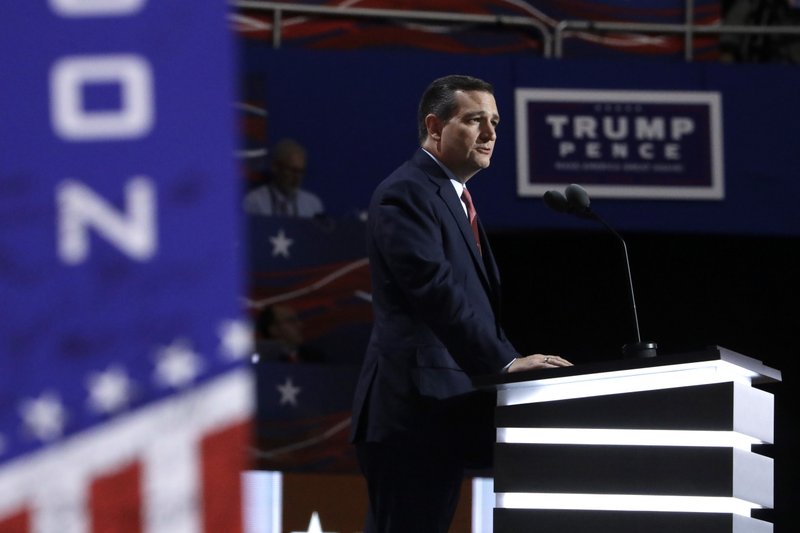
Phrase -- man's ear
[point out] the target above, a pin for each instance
(434, 126)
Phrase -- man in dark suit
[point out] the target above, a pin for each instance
(417, 420)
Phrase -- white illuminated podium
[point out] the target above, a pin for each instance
(656, 445)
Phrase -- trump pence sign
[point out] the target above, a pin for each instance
(620, 143)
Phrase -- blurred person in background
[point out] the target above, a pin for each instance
(279, 336)
(282, 194)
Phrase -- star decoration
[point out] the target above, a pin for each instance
(289, 392)
(109, 391)
(314, 525)
(177, 365)
(236, 339)
(44, 416)
(280, 244)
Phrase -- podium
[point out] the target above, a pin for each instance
(659, 444)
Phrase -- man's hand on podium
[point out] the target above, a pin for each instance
(537, 361)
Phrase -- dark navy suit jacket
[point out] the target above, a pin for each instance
(436, 304)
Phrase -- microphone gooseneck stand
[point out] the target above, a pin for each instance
(577, 203)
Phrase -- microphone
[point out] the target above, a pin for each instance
(577, 203)
(558, 202)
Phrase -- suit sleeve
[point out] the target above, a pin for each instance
(408, 230)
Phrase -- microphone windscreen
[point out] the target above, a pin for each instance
(555, 201)
(578, 197)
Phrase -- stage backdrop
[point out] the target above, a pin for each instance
(662, 146)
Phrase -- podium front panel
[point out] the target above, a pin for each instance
(661, 445)
(701, 472)
(732, 407)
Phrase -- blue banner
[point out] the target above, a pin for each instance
(119, 211)
(302, 421)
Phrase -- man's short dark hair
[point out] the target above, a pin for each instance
(439, 98)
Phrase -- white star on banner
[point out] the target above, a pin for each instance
(236, 339)
(109, 391)
(177, 365)
(314, 526)
(44, 416)
(280, 244)
(288, 392)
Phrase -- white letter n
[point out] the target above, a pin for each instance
(133, 231)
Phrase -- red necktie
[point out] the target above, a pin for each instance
(473, 216)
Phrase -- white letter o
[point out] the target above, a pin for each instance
(70, 119)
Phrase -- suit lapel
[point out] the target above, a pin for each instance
(448, 195)
(488, 259)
